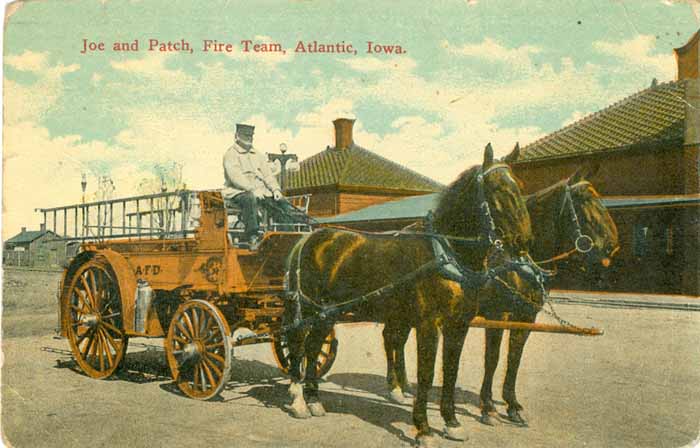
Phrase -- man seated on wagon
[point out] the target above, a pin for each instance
(249, 183)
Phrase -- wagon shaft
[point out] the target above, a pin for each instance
(480, 322)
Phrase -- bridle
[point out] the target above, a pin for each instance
(487, 222)
(582, 242)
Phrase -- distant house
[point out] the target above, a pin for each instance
(347, 177)
(35, 248)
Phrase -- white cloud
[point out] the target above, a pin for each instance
(637, 53)
(491, 51)
(373, 64)
(28, 61)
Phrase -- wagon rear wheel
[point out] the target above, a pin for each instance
(92, 307)
(198, 349)
(324, 362)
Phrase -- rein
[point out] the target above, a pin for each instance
(582, 242)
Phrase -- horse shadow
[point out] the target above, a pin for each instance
(375, 412)
(377, 385)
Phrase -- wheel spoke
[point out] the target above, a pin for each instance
(195, 374)
(208, 362)
(207, 371)
(94, 290)
(214, 345)
(182, 341)
(111, 327)
(100, 351)
(188, 323)
(182, 329)
(108, 349)
(88, 293)
(110, 340)
(82, 337)
(204, 324)
(216, 357)
(201, 377)
(195, 322)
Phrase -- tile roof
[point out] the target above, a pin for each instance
(357, 167)
(654, 114)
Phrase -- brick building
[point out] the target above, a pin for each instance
(347, 177)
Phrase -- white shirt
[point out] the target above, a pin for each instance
(247, 171)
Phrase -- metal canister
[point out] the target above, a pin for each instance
(144, 295)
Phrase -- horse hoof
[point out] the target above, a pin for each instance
(455, 433)
(517, 419)
(427, 442)
(300, 411)
(317, 409)
(396, 396)
(486, 420)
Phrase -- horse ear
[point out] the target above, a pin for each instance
(514, 155)
(488, 156)
(584, 172)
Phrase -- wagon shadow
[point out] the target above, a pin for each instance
(146, 366)
(373, 411)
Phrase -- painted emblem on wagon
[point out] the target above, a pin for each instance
(211, 269)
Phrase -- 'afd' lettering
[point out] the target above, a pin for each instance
(149, 269)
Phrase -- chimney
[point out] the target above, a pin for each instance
(24, 229)
(343, 132)
(687, 58)
(42, 227)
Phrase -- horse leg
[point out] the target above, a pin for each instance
(516, 345)
(314, 342)
(453, 341)
(390, 349)
(296, 340)
(400, 366)
(395, 336)
(492, 350)
(427, 338)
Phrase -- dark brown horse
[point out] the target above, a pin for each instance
(396, 280)
(568, 219)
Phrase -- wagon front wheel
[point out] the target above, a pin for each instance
(92, 307)
(198, 349)
(324, 362)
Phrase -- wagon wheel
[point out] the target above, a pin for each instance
(92, 306)
(198, 350)
(324, 362)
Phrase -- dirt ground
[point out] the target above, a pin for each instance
(636, 386)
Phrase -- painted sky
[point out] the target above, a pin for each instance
(474, 72)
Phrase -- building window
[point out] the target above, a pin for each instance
(668, 240)
(642, 239)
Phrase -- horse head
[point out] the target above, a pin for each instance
(485, 201)
(598, 238)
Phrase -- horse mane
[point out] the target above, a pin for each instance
(457, 211)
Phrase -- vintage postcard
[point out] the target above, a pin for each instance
(341, 223)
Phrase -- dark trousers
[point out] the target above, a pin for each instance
(248, 204)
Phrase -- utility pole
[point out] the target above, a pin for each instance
(283, 158)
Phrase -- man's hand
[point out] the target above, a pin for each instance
(276, 195)
(259, 193)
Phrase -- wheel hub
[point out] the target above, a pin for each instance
(193, 350)
(90, 320)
